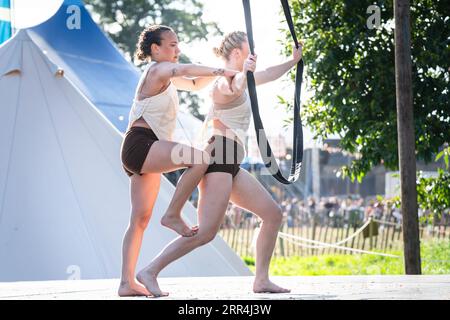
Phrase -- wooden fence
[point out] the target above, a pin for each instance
(240, 232)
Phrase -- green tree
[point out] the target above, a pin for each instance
(351, 72)
(433, 194)
(124, 20)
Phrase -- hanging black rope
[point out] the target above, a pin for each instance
(263, 144)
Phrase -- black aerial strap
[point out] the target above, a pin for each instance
(263, 144)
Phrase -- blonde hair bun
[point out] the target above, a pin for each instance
(232, 40)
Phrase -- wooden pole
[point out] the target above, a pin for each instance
(406, 137)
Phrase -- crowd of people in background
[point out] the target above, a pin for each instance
(336, 212)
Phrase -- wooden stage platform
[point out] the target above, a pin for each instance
(423, 287)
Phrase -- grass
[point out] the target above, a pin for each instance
(435, 255)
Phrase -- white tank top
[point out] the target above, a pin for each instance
(237, 118)
(159, 111)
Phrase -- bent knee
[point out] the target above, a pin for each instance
(140, 219)
(200, 160)
(204, 162)
(203, 238)
(276, 215)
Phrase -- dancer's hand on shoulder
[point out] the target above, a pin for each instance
(227, 72)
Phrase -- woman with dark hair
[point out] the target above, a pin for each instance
(224, 180)
(147, 149)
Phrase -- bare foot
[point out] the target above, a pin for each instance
(148, 279)
(267, 286)
(177, 224)
(133, 289)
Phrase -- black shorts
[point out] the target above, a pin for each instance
(226, 155)
(135, 148)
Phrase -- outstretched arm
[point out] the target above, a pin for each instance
(167, 70)
(275, 72)
(192, 84)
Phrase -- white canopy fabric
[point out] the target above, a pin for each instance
(64, 198)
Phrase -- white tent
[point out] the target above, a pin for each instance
(64, 202)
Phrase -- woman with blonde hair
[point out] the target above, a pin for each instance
(224, 180)
(147, 149)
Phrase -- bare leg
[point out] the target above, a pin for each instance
(250, 195)
(143, 190)
(215, 191)
(161, 159)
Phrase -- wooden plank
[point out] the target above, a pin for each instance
(325, 237)
(353, 240)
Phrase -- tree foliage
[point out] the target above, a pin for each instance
(131, 16)
(351, 71)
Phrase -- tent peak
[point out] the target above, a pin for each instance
(12, 52)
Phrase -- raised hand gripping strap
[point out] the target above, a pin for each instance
(263, 144)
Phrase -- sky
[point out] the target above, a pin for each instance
(267, 20)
